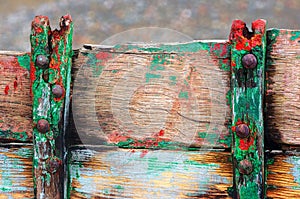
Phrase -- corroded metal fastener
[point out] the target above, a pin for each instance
(249, 61)
(53, 164)
(42, 61)
(245, 167)
(242, 130)
(57, 91)
(43, 126)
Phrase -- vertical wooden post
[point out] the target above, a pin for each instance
(50, 67)
(248, 50)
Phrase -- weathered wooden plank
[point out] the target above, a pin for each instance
(15, 105)
(247, 82)
(153, 95)
(121, 173)
(50, 74)
(283, 175)
(127, 173)
(282, 97)
(16, 172)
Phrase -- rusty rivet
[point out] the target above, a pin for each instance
(245, 167)
(42, 61)
(43, 126)
(57, 91)
(242, 130)
(54, 164)
(249, 61)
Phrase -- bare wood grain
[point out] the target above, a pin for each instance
(139, 92)
(283, 176)
(16, 172)
(282, 97)
(15, 104)
(149, 174)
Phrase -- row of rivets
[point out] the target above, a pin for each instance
(42, 62)
(242, 130)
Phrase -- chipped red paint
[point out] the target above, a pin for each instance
(103, 56)
(219, 49)
(240, 33)
(245, 144)
(116, 137)
(40, 20)
(6, 89)
(32, 77)
(126, 140)
(11, 65)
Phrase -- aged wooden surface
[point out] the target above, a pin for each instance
(153, 96)
(139, 173)
(248, 52)
(50, 74)
(128, 173)
(282, 98)
(16, 172)
(283, 179)
(15, 105)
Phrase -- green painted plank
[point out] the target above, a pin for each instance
(50, 77)
(248, 52)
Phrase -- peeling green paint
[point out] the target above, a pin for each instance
(149, 76)
(173, 80)
(48, 106)
(247, 108)
(183, 94)
(295, 35)
(24, 61)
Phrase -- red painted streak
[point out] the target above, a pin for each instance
(32, 76)
(144, 152)
(6, 89)
(15, 85)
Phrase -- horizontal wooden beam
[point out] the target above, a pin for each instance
(281, 95)
(153, 96)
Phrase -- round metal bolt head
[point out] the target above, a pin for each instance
(249, 61)
(42, 61)
(43, 126)
(242, 130)
(245, 167)
(57, 91)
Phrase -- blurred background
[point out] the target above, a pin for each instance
(97, 20)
